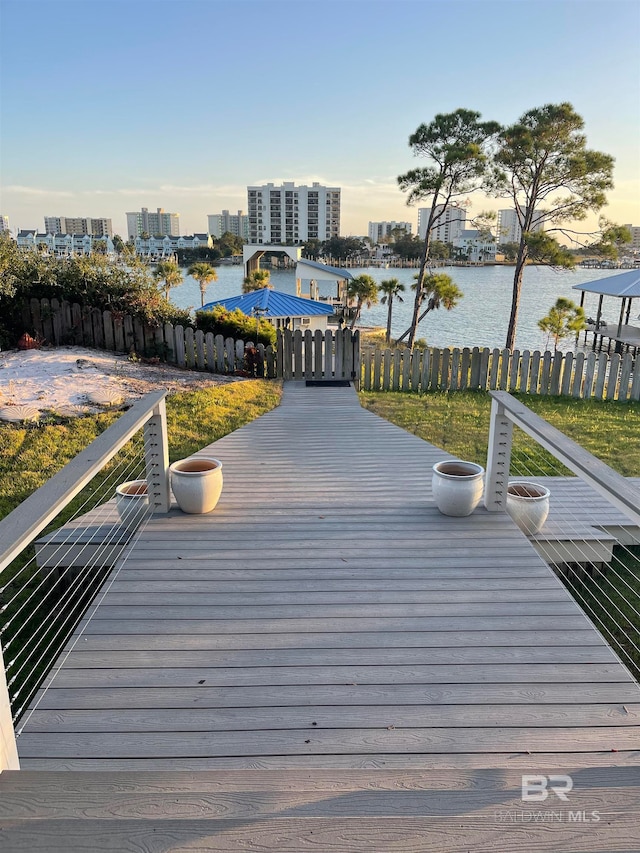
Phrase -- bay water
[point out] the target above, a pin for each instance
(480, 319)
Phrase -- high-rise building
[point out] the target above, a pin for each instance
(382, 231)
(634, 230)
(78, 226)
(449, 227)
(291, 214)
(4, 223)
(508, 228)
(234, 223)
(158, 224)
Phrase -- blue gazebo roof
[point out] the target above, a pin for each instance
(272, 303)
(622, 285)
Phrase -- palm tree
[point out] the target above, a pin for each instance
(203, 274)
(365, 291)
(392, 290)
(440, 291)
(169, 273)
(256, 280)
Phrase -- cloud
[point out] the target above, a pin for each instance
(41, 192)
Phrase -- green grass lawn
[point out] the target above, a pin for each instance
(458, 422)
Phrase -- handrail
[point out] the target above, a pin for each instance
(506, 411)
(23, 524)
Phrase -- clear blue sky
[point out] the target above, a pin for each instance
(111, 105)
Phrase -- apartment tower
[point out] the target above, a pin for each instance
(293, 214)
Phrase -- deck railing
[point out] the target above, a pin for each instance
(44, 603)
(591, 540)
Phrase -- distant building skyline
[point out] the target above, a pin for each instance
(508, 228)
(450, 224)
(158, 224)
(382, 230)
(234, 223)
(78, 225)
(291, 213)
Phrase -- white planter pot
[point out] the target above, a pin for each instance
(528, 505)
(196, 483)
(457, 486)
(132, 502)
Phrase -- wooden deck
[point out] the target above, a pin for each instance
(327, 663)
(326, 615)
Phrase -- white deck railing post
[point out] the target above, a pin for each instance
(498, 459)
(156, 451)
(8, 749)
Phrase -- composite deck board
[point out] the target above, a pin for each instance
(294, 810)
(325, 615)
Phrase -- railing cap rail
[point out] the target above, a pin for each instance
(607, 481)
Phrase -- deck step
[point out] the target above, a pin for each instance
(357, 810)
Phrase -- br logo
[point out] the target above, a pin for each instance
(536, 788)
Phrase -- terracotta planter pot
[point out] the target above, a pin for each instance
(132, 502)
(457, 487)
(196, 483)
(528, 505)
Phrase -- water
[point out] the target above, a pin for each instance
(480, 319)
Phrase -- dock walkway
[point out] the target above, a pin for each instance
(327, 616)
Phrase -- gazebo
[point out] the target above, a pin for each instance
(282, 310)
(626, 287)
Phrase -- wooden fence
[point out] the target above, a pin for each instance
(594, 376)
(336, 355)
(297, 355)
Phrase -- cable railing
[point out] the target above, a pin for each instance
(594, 551)
(47, 584)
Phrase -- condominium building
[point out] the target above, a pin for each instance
(293, 214)
(634, 230)
(4, 223)
(78, 226)
(158, 224)
(381, 232)
(449, 225)
(63, 245)
(509, 230)
(234, 223)
(156, 248)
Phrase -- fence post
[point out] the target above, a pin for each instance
(156, 453)
(498, 459)
(8, 749)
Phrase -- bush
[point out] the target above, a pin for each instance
(234, 324)
(94, 280)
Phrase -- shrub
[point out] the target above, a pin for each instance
(234, 324)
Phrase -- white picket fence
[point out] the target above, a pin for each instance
(594, 376)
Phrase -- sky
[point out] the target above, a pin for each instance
(107, 106)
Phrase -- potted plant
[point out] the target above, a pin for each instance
(196, 483)
(132, 502)
(528, 505)
(457, 486)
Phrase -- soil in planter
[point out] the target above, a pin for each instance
(454, 470)
(135, 489)
(196, 466)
